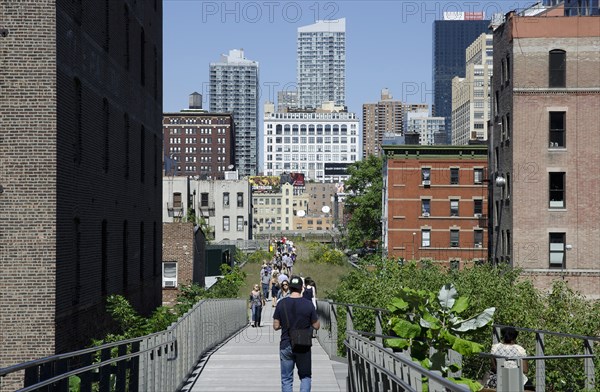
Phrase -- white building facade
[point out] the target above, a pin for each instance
(308, 142)
(430, 129)
(321, 68)
(471, 95)
(234, 89)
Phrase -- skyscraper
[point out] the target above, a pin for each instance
(451, 37)
(321, 73)
(234, 89)
(471, 94)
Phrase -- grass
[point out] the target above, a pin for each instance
(326, 276)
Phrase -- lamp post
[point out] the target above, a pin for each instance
(414, 234)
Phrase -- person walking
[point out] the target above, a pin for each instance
(265, 279)
(257, 301)
(294, 313)
(284, 290)
(507, 348)
(310, 291)
(274, 287)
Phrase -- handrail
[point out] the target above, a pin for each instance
(160, 361)
(554, 333)
(376, 361)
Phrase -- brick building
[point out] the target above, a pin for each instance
(545, 147)
(435, 203)
(80, 168)
(199, 143)
(183, 255)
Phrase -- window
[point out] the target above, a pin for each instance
(454, 175)
(425, 238)
(557, 68)
(226, 199)
(225, 223)
(204, 199)
(557, 189)
(557, 129)
(477, 176)
(240, 199)
(477, 206)
(240, 223)
(454, 207)
(454, 238)
(104, 259)
(169, 274)
(106, 133)
(177, 200)
(426, 207)
(557, 250)
(478, 238)
(426, 174)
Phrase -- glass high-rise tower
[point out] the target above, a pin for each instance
(451, 37)
(321, 72)
(234, 89)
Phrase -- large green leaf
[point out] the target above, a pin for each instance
(473, 385)
(400, 344)
(461, 304)
(466, 347)
(477, 321)
(447, 296)
(406, 329)
(430, 321)
(397, 304)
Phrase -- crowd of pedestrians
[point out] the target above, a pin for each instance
(295, 301)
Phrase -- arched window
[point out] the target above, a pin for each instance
(558, 68)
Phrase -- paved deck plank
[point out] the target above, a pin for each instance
(249, 362)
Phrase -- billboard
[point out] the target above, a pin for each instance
(265, 184)
(295, 179)
(336, 168)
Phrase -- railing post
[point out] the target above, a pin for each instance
(378, 328)
(349, 319)
(588, 363)
(333, 339)
(540, 365)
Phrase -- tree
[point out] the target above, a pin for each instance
(363, 203)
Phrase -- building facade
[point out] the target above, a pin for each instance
(430, 130)
(451, 37)
(309, 141)
(287, 99)
(234, 90)
(471, 100)
(321, 63)
(225, 208)
(198, 143)
(544, 148)
(381, 118)
(435, 203)
(80, 168)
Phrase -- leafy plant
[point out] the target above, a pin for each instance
(423, 321)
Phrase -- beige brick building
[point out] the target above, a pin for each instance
(545, 148)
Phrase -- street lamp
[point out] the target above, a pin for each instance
(414, 234)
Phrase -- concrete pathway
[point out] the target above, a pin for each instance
(250, 362)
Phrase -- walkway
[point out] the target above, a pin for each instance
(250, 362)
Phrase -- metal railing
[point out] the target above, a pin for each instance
(158, 362)
(540, 356)
(371, 366)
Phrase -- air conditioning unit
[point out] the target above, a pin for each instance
(477, 215)
(478, 245)
(169, 283)
(426, 183)
(426, 214)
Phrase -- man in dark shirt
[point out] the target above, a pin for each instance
(301, 314)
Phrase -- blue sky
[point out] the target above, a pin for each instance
(388, 43)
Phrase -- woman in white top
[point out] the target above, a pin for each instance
(508, 348)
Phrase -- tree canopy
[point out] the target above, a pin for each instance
(364, 200)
